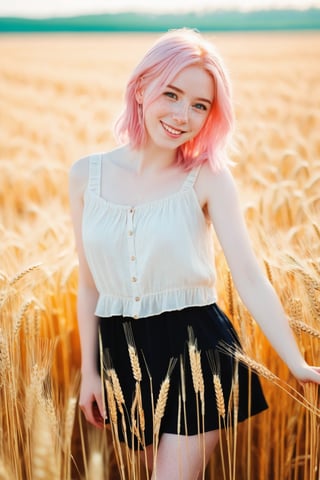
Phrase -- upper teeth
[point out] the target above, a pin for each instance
(171, 130)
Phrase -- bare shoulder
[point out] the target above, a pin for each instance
(216, 185)
(78, 174)
(79, 171)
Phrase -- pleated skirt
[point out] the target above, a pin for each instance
(174, 372)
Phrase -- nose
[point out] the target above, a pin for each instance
(180, 113)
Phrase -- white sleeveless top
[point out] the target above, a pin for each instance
(157, 256)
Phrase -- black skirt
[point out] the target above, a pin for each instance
(188, 349)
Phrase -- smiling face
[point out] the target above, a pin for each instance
(180, 111)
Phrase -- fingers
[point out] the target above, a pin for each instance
(312, 375)
(93, 411)
(101, 407)
(96, 414)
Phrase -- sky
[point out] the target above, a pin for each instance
(43, 8)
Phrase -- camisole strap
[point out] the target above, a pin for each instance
(191, 178)
(94, 181)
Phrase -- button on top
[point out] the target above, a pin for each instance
(137, 299)
(134, 279)
(131, 210)
(130, 232)
(132, 258)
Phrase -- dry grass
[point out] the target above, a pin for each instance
(59, 96)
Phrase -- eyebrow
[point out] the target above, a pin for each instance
(177, 89)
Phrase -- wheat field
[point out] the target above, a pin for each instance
(59, 96)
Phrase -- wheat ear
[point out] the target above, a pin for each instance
(160, 408)
(265, 372)
(219, 395)
(268, 270)
(20, 317)
(23, 273)
(133, 355)
(4, 358)
(195, 363)
(161, 403)
(117, 390)
(230, 294)
(303, 327)
(112, 408)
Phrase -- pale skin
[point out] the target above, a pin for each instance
(133, 177)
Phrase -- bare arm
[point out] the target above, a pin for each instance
(87, 298)
(254, 288)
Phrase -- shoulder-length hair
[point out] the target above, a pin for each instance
(173, 52)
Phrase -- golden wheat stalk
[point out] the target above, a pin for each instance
(214, 362)
(256, 366)
(266, 373)
(112, 408)
(230, 294)
(303, 327)
(5, 362)
(117, 390)
(135, 432)
(196, 373)
(194, 366)
(269, 271)
(45, 463)
(295, 307)
(20, 317)
(19, 276)
(316, 229)
(160, 409)
(142, 421)
(195, 363)
(183, 394)
(158, 414)
(135, 365)
(118, 395)
(235, 402)
(161, 404)
(133, 355)
(113, 416)
(219, 396)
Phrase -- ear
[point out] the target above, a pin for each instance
(139, 95)
(139, 91)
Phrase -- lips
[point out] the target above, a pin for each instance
(171, 130)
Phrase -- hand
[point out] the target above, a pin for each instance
(307, 373)
(90, 401)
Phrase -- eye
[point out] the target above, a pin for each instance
(200, 106)
(171, 95)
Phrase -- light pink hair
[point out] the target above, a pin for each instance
(174, 51)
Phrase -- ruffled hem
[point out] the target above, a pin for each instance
(155, 303)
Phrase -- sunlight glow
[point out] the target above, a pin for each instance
(40, 8)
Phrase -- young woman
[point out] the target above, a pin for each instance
(143, 217)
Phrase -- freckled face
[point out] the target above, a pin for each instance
(180, 111)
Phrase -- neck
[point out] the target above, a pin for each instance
(151, 158)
